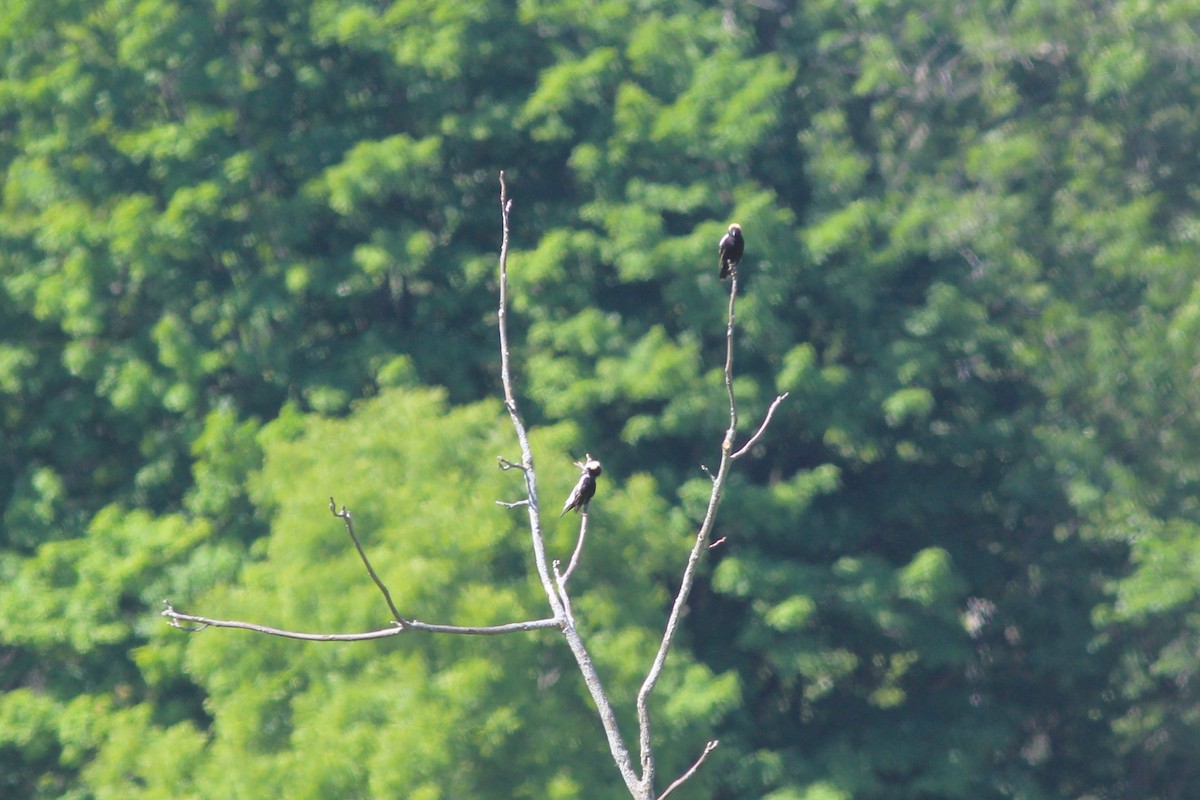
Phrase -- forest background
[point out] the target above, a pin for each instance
(248, 260)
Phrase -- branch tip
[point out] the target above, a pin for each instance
(761, 428)
(515, 504)
(343, 514)
(708, 748)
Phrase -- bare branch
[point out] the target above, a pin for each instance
(175, 618)
(516, 504)
(761, 428)
(553, 580)
(560, 578)
(698, 548)
(344, 515)
(685, 587)
(591, 678)
(562, 593)
(486, 630)
(583, 527)
(729, 434)
(708, 748)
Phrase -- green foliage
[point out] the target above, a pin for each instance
(475, 716)
(238, 242)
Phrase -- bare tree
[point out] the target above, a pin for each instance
(640, 783)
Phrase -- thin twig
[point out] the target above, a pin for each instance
(708, 748)
(729, 434)
(583, 527)
(761, 428)
(506, 465)
(344, 515)
(515, 504)
(176, 618)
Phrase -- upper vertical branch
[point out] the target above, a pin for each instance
(510, 401)
(591, 677)
(732, 431)
(689, 572)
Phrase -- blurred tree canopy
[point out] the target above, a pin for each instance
(247, 260)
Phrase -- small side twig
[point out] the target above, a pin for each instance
(761, 428)
(682, 779)
(574, 562)
(514, 504)
(506, 465)
(344, 515)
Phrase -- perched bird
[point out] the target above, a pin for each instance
(731, 248)
(583, 491)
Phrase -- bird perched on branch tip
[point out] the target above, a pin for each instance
(581, 495)
(731, 248)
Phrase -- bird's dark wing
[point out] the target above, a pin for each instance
(723, 247)
(725, 259)
(730, 249)
(581, 494)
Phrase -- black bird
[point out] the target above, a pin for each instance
(583, 491)
(731, 248)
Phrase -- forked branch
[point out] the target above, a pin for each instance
(641, 787)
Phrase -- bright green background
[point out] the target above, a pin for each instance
(248, 260)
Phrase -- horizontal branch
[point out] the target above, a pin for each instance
(490, 630)
(515, 504)
(177, 619)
